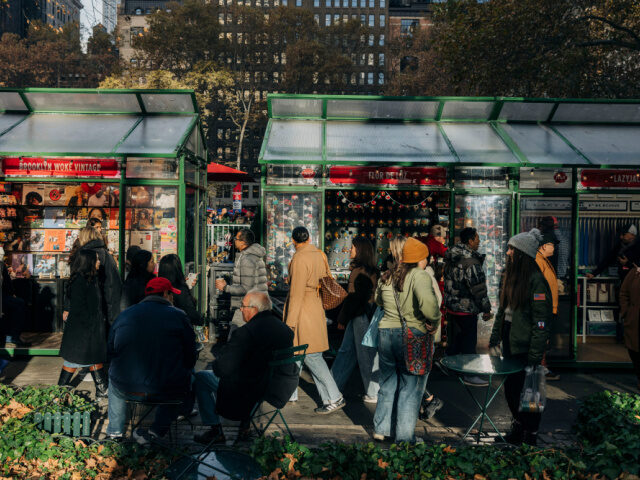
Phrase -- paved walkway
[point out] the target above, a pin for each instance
(354, 422)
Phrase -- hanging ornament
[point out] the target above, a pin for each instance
(344, 200)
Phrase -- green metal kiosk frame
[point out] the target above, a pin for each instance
(564, 149)
(148, 138)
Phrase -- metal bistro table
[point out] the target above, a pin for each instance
(484, 365)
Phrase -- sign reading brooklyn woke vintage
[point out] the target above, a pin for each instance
(342, 175)
(610, 178)
(60, 167)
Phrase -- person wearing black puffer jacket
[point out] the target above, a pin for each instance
(142, 267)
(83, 341)
(170, 267)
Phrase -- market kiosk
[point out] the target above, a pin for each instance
(375, 166)
(135, 159)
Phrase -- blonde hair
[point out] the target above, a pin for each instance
(396, 245)
(88, 234)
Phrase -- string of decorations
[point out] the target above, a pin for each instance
(387, 196)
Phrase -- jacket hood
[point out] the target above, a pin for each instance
(255, 249)
(460, 251)
(94, 244)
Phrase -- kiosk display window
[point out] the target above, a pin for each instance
(150, 219)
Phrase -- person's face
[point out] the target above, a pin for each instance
(240, 244)
(628, 238)
(353, 252)
(98, 227)
(422, 264)
(248, 312)
(151, 265)
(97, 263)
(96, 214)
(168, 296)
(547, 249)
(474, 244)
(510, 251)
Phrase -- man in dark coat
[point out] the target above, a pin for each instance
(240, 373)
(625, 254)
(152, 349)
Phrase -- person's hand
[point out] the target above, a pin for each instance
(623, 260)
(192, 279)
(589, 276)
(220, 284)
(487, 316)
(65, 315)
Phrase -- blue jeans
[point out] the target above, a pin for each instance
(326, 385)
(352, 351)
(68, 364)
(206, 385)
(394, 376)
(165, 414)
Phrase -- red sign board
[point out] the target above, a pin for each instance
(388, 175)
(60, 167)
(610, 178)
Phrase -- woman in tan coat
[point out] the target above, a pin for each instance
(305, 316)
(630, 313)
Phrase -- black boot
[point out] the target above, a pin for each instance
(515, 436)
(65, 376)
(530, 438)
(101, 381)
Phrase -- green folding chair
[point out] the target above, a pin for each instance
(285, 356)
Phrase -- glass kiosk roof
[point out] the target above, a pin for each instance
(158, 123)
(512, 132)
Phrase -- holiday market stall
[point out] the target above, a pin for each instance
(376, 166)
(134, 159)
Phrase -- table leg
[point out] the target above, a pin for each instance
(483, 408)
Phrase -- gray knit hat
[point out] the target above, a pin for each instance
(527, 242)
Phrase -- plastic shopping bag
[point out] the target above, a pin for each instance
(534, 392)
(370, 338)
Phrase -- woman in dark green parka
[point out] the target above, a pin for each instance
(522, 325)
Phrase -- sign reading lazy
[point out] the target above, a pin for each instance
(60, 167)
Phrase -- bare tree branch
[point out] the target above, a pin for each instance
(616, 26)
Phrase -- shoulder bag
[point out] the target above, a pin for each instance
(418, 350)
(331, 293)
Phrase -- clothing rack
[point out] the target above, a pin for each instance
(598, 235)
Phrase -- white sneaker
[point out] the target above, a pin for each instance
(475, 381)
(368, 399)
(378, 437)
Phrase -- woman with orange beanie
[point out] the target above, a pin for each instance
(418, 305)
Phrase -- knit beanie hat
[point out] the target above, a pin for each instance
(414, 251)
(633, 230)
(527, 242)
(550, 237)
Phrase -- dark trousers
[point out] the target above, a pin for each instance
(513, 387)
(14, 314)
(463, 333)
(635, 359)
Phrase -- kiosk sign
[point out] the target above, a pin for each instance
(610, 178)
(60, 167)
(436, 176)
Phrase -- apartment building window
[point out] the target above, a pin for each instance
(316, 17)
(327, 19)
(221, 18)
(336, 18)
(363, 3)
(361, 78)
(298, 3)
(371, 40)
(383, 3)
(363, 58)
(354, 3)
(370, 78)
(345, 3)
(408, 26)
(363, 19)
(285, 2)
(381, 59)
(276, 77)
(381, 78)
(372, 21)
(353, 79)
(370, 60)
(372, 3)
(382, 40)
(255, 193)
(345, 18)
(316, 3)
(327, 3)
(382, 21)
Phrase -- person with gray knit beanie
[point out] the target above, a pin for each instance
(527, 242)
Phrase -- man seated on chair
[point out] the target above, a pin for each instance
(240, 372)
(152, 349)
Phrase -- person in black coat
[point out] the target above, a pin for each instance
(142, 267)
(108, 278)
(83, 340)
(170, 267)
(240, 372)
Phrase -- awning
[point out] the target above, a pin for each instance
(446, 130)
(65, 122)
(222, 173)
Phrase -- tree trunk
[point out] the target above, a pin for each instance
(247, 111)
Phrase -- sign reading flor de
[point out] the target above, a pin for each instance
(60, 167)
(342, 175)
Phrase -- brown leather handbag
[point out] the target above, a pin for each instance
(331, 293)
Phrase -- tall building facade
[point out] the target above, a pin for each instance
(407, 15)
(58, 13)
(15, 15)
(132, 22)
(103, 12)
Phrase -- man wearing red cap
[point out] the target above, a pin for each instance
(152, 349)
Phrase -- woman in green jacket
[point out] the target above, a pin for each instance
(421, 311)
(522, 325)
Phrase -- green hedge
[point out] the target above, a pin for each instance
(608, 432)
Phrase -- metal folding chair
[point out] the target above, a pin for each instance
(139, 410)
(285, 356)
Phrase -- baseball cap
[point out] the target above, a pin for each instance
(160, 285)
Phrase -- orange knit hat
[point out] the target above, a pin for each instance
(414, 251)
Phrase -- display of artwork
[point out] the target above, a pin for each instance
(150, 219)
(44, 265)
(284, 212)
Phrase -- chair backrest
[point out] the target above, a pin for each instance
(286, 356)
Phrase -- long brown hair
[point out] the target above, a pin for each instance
(400, 273)
(396, 244)
(515, 286)
(365, 255)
